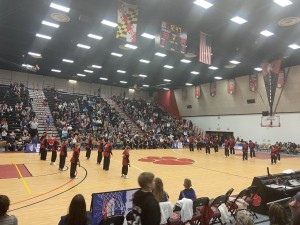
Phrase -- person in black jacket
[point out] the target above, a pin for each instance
(146, 208)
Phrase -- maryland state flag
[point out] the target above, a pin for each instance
(127, 21)
(270, 73)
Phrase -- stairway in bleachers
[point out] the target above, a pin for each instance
(131, 124)
(42, 111)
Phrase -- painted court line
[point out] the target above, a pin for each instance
(22, 179)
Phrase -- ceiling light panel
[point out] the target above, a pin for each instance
(123, 82)
(218, 78)
(188, 84)
(145, 85)
(96, 66)
(131, 46)
(68, 60)
(266, 33)
(55, 70)
(94, 36)
(258, 69)
(213, 68)
(81, 75)
(195, 72)
(34, 54)
(116, 54)
(109, 23)
(146, 35)
(168, 66)
(142, 75)
(121, 71)
(204, 4)
(103, 78)
(144, 61)
(83, 46)
(160, 54)
(283, 3)
(234, 62)
(185, 61)
(89, 71)
(59, 7)
(294, 46)
(238, 20)
(44, 22)
(43, 36)
(167, 80)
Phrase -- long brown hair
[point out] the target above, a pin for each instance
(277, 215)
(158, 190)
(77, 211)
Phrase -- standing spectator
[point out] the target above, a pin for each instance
(4, 206)
(158, 191)
(33, 127)
(146, 208)
(77, 213)
(188, 191)
(48, 122)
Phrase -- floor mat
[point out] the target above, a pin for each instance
(11, 171)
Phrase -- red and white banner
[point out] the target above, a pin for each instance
(197, 91)
(213, 89)
(253, 82)
(231, 86)
(184, 93)
(281, 79)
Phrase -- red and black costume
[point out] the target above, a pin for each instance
(207, 145)
(74, 161)
(231, 146)
(62, 156)
(245, 150)
(125, 163)
(273, 154)
(100, 150)
(226, 146)
(278, 148)
(43, 147)
(252, 146)
(191, 143)
(88, 148)
(54, 150)
(216, 145)
(106, 153)
(199, 140)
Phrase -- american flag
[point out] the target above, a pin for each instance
(205, 49)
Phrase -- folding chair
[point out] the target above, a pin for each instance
(183, 216)
(216, 217)
(115, 220)
(232, 203)
(228, 194)
(201, 211)
(249, 200)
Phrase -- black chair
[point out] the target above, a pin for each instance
(198, 208)
(216, 217)
(112, 220)
(228, 193)
(232, 205)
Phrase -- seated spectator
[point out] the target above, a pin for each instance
(277, 215)
(295, 204)
(4, 206)
(188, 191)
(296, 219)
(243, 217)
(77, 213)
(158, 191)
(4, 134)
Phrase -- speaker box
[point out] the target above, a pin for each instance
(250, 101)
(265, 113)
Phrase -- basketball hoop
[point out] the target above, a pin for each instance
(270, 121)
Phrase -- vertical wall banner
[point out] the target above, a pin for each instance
(127, 21)
(270, 73)
(197, 91)
(173, 37)
(213, 89)
(253, 82)
(205, 49)
(111, 203)
(281, 79)
(184, 93)
(231, 86)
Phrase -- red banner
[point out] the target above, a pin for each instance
(197, 91)
(213, 89)
(253, 82)
(281, 79)
(231, 86)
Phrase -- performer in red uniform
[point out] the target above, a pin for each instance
(216, 144)
(252, 146)
(88, 147)
(54, 150)
(231, 145)
(63, 155)
(75, 161)
(245, 150)
(100, 150)
(191, 143)
(278, 148)
(199, 140)
(273, 154)
(43, 146)
(125, 163)
(226, 146)
(106, 153)
(207, 145)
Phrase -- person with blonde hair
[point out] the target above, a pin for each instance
(158, 191)
(188, 191)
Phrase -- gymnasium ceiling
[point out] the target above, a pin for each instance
(20, 21)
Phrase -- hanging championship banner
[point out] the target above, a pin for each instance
(281, 79)
(231, 86)
(197, 91)
(127, 21)
(184, 93)
(253, 82)
(173, 38)
(213, 88)
(270, 73)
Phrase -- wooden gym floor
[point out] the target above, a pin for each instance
(45, 196)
